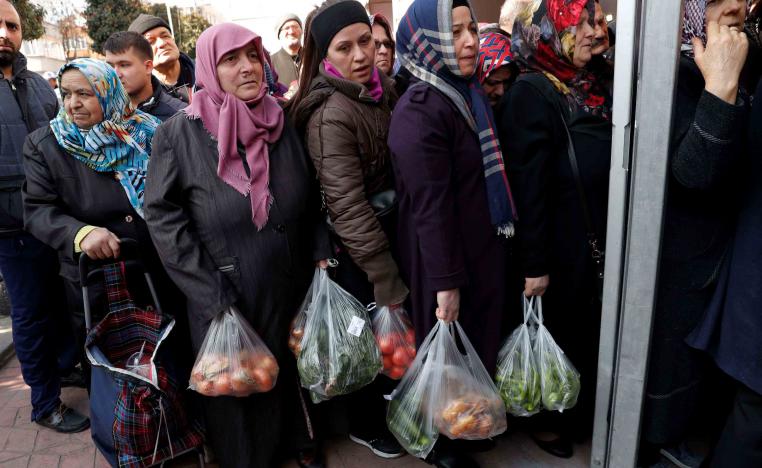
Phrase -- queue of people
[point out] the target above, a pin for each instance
(447, 169)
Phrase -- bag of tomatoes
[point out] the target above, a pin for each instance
(296, 332)
(233, 360)
(338, 353)
(446, 391)
(396, 340)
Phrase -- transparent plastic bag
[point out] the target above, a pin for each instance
(559, 379)
(444, 392)
(517, 377)
(296, 333)
(339, 354)
(233, 359)
(396, 340)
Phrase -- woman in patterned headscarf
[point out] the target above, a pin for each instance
(705, 167)
(85, 177)
(552, 43)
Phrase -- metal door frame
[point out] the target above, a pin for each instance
(648, 45)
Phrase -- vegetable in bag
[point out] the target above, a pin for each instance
(559, 379)
(396, 340)
(338, 354)
(233, 360)
(445, 391)
(517, 378)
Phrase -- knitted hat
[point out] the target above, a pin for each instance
(144, 23)
(333, 19)
(285, 19)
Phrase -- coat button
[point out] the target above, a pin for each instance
(128, 218)
(280, 228)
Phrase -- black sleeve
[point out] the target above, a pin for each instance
(528, 139)
(45, 216)
(712, 145)
(187, 262)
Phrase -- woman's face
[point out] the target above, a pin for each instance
(353, 52)
(583, 42)
(727, 12)
(466, 36)
(384, 49)
(80, 101)
(240, 72)
(496, 84)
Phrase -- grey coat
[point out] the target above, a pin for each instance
(210, 247)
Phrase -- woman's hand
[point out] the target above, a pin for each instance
(322, 264)
(448, 305)
(722, 59)
(100, 244)
(536, 286)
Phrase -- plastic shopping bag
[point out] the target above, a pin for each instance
(339, 354)
(559, 379)
(396, 340)
(517, 378)
(233, 359)
(444, 392)
(297, 325)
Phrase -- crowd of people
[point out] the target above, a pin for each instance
(448, 169)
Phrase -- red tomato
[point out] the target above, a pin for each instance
(396, 373)
(206, 387)
(222, 384)
(268, 363)
(410, 336)
(401, 357)
(386, 345)
(411, 352)
(388, 363)
(263, 379)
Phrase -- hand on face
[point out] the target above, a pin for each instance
(240, 72)
(722, 60)
(79, 100)
(353, 52)
(465, 34)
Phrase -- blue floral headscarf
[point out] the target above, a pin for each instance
(121, 143)
(426, 48)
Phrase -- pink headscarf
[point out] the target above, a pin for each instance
(255, 124)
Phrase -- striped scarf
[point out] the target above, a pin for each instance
(426, 48)
(121, 143)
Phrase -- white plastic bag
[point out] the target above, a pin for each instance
(233, 359)
(297, 325)
(517, 377)
(559, 379)
(338, 354)
(396, 340)
(444, 392)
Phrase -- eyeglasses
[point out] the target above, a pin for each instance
(388, 44)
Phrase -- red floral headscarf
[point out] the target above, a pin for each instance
(543, 41)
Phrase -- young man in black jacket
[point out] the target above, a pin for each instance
(131, 56)
(29, 267)
(175, 70)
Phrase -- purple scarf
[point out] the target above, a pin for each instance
(255, 124)
(374, 86)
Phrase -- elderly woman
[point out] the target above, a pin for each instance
(562, 211)
(85, 180)
(454, 200)
(344, 106)
(495, 67)
(231, 207)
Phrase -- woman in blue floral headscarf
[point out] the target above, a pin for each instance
(85, 177)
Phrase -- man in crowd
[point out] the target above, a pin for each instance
(601, 39)
(131, 56)
(29, 267)
(174, 69)
(287, 60)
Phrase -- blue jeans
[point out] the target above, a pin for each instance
(42, 333)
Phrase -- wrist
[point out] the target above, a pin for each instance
(725, 90)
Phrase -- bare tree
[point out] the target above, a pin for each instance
(67, 27)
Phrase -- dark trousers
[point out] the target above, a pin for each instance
(740, 444)
(41, 332)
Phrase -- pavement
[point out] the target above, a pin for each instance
(24, 444)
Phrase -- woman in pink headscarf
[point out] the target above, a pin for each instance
(231, 206)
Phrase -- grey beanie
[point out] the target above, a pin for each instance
(144, 23)
(285, 19)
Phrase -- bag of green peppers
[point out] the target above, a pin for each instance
(559, 379)
(517, 378)
(338, 352)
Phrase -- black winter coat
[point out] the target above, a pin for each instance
(708, 148)
(211, 248)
